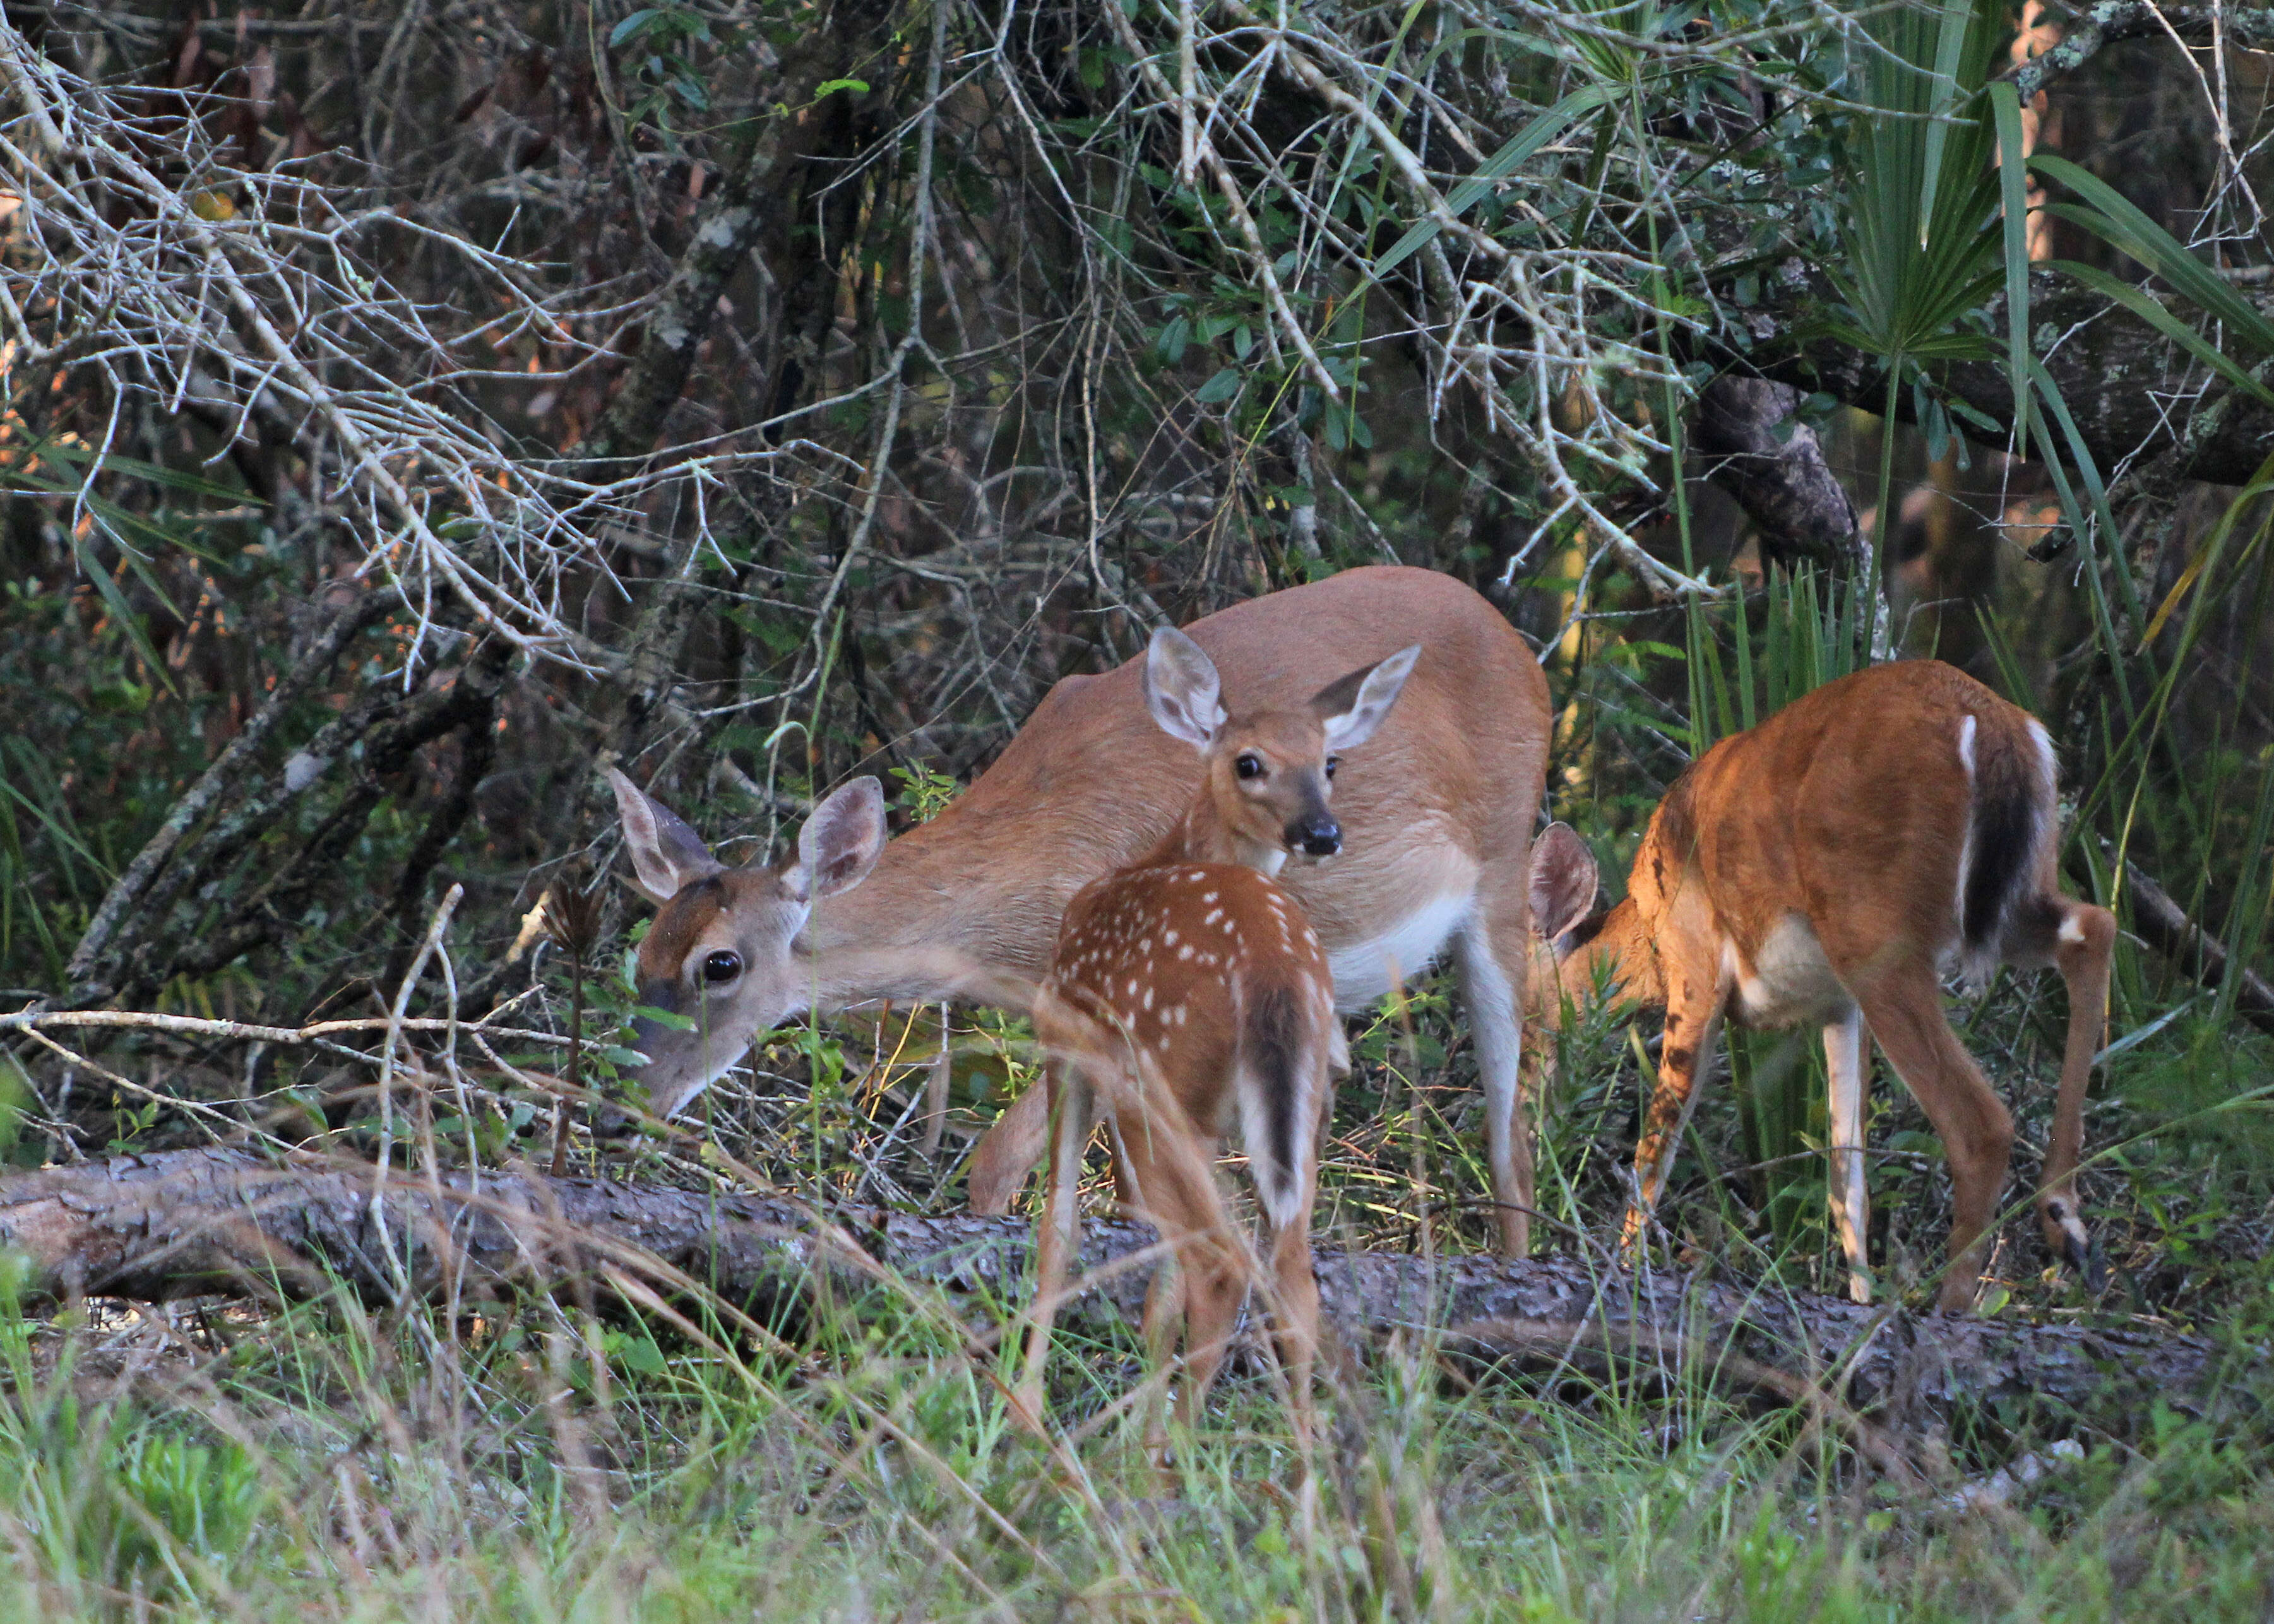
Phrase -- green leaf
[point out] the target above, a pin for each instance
(1170, 346)
(2153, 313)
(2080, 454)
(2114, 218)
(136, 468)
(1498, 167)
(1949, 55)
(637, 23)
(1219, 388)
(831, 87)
(2013, 190)
(2212, 546)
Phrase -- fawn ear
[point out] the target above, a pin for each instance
(1352, 707)
(667, 854)
(839, 843)
(1563, 879)
(1181, 688)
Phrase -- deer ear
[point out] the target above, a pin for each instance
(1563, 879)
(839, 843)
(1352, 707)
(1181, 689)
(667, 854)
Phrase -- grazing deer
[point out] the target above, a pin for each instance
(1188, 993)
(1438, 819)
(725, 930)
(1828, 866)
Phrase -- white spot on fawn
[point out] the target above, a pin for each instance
(2072, 931)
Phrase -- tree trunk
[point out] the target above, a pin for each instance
(215, 1220)
(1784, 485)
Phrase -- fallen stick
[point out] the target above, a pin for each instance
(223, 1221)
(2167, 927)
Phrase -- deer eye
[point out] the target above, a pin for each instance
(1333, 762)
(1250, 765)
(721, 967)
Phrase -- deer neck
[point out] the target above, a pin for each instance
(1617, 946)
(990, 888)
(1201, 835)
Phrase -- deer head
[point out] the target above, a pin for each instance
(723, 952)
(1268, 771)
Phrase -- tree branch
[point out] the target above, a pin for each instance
(2084, 32)
(2167, 927)
(1785, 486)
(127, 894)
(2118, 375)
(224, 1220)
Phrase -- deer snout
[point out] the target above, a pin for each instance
(1314, 837)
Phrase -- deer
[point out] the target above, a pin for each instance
(1828, 867)
(1187, 994)
(1437, 820)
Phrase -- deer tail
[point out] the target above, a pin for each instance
(1280, 1058)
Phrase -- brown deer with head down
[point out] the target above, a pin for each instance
(1828, 867)
(1188, 994)
(1438, 820)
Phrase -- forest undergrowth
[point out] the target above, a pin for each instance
(568, 1458)
(408, 413)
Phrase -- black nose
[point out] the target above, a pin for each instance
(1316, 838)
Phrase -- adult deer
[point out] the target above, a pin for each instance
(1187, 993)
(1828, 867)
(1437, 814)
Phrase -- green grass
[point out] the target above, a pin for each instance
(321, 1463)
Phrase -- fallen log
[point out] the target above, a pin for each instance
(199, 1222)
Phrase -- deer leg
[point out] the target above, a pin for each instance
(1203, 1282)
(2082, 949)
(1007, 1152)
(1903, 1007)
(1134, 1175)
(1693, 1020)
(1295, 1281)
(1070, 1102)
(1489, 956)
(1850, 1194)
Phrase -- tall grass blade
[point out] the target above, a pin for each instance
(2118, 221)
(2014, 195)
